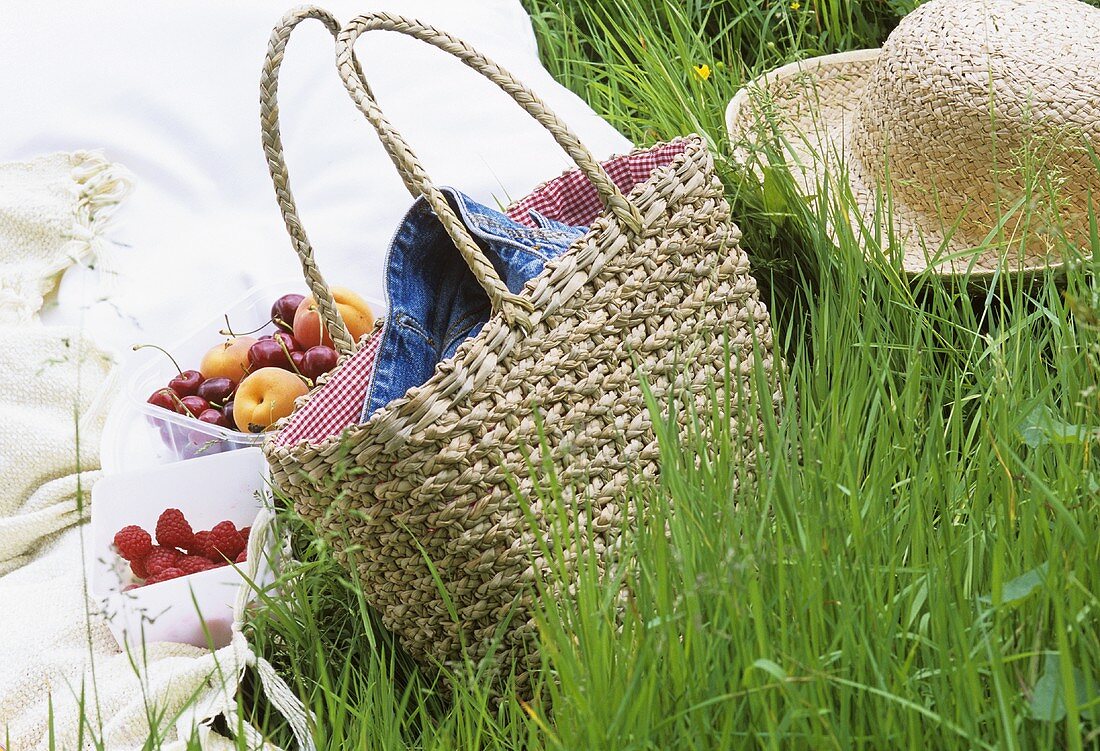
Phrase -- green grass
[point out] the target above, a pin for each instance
(918, 565)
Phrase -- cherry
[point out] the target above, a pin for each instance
(268, 353)
(217, 390)
(165, 398)
(186, 383)
(227, 413)
(265, 337)
(282, 311)
(287, 341)
(192, 405)
(215, 417)
(298, 358)
(211, 415)
(318, 361)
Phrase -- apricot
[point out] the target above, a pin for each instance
(228, 359)
(309, 329)
(265, 396)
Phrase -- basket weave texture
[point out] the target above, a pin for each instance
(450, 472)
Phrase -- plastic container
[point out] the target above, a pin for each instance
(208, 490)
(140, 434)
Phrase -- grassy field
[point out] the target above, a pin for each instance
(919, 563)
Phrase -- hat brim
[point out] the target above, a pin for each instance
(812, 106)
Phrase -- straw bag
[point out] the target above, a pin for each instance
(657, 289)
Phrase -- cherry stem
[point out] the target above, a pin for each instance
(286, 351)
(179, 401)
(228, 330)
(162, 349)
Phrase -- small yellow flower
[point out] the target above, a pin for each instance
(796, 5)
(703, 71)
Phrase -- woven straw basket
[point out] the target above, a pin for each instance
(658, 289)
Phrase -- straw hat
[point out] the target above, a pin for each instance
(974, 114)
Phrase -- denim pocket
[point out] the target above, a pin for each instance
(413, 326)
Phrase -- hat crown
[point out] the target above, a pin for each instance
(970, 100)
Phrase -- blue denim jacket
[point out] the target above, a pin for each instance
(434, 302)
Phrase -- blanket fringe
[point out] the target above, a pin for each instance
(99, 187)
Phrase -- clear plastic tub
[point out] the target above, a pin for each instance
(194, 609)
(139, 434)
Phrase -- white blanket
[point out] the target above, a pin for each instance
(53, 211)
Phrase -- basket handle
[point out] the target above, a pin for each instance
(513, 307)
(276, 163)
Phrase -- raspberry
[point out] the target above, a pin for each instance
(173, 531)
(133, 543)
(245, 532)
(138, 567)
(199, 544)
(193, 564)
(242, 557)
(160, 558)
(225, 542)
(165, 574)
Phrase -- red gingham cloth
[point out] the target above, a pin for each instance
(338, 404)
(569, 198)
(573, 200)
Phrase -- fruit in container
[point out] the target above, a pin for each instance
(160, 558)
(309, 329)
(173, 529)
(228, 359)
(187, 383)
(264, 397)
(133, 543)
(217, 391)
(272, 353)
(192, 406)
(218, 417)
(179, 551)
(283, 310)
(209, 395)
(317, 361)
(165, 398)
(225, 541)
(298, 360)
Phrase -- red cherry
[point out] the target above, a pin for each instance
(286, 340)
(216, 417)
(282, 311)
(298, 358)
(217, 390)
(186, 383)
(318, 361)
(165, 398)
(227, 416)
(268, 354)
(192, 406)
(210, 415)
